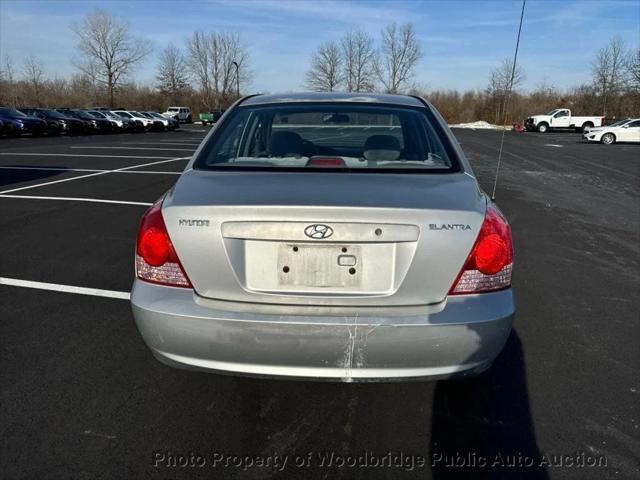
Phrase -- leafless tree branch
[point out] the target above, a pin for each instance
(359, 57)
(210, 58)
(34, 75)
(500, 86)
(398, 57)
(326, 73)
(109, 52)
(171, 73)
(608, 68)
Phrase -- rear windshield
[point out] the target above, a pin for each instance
(354, 137)
(11, 112)
(52, 114)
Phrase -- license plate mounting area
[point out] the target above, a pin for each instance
(313, 265)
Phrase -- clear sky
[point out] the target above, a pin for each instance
(462, 40)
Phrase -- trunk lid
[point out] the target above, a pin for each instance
(323, 238)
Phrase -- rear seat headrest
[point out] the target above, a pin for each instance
(382, 148)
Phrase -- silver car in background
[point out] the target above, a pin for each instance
(328, 236)
(168, 122)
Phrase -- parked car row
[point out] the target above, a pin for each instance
(76, 121)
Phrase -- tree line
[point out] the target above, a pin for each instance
(355, 64)
(212, 68)
(208, 73)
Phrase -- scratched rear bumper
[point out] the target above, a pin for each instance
(460, 336)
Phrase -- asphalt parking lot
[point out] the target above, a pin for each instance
(82, 396)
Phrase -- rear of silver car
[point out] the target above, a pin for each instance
(326, 272)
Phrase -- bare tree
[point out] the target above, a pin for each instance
(326, 73)
(8, 90)
(501, 84)
(219, 64)
(399, 55)
(633, 69)
(172, 73)
(198, 61)
(109, 51)
(608, 69)
(359, 58)
(34, 76)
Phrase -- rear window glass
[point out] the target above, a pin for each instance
(353, 137)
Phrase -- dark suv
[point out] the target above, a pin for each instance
(18, 123)
(56, 122)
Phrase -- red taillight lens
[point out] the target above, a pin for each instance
(490, 264)
(491, 254)
(156, 259)
(154, 247)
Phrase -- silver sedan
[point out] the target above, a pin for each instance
(332, 236)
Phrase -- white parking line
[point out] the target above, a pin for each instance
(77, 199)
(138, 148)
(64, 169)
(23, 154)
(57, 287)
(552, 145)
(90, 175)
(11, 190)
(161, 143)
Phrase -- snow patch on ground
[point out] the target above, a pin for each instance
(479, 125)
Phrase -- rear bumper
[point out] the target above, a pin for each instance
(461, 336)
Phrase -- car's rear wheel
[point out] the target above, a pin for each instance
(586, 126)
(608, 138)
(543, 127)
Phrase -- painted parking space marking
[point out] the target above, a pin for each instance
(61, 169)
(552, 145)
(91, 175)
(162, 143)
(77, 199)
(57, 287)
(64, 169)
(137, 148)
(25, 154)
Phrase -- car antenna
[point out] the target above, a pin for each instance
(508, 101)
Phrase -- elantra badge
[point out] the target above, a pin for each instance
(448, 226)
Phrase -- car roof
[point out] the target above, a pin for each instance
(354, 97)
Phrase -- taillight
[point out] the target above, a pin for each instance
(326, 162)
(156, 259)
(490, 263)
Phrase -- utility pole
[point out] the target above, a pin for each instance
(237, 78)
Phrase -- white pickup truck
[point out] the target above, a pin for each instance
(560, 118)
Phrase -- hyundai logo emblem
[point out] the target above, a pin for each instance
(318, 230)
